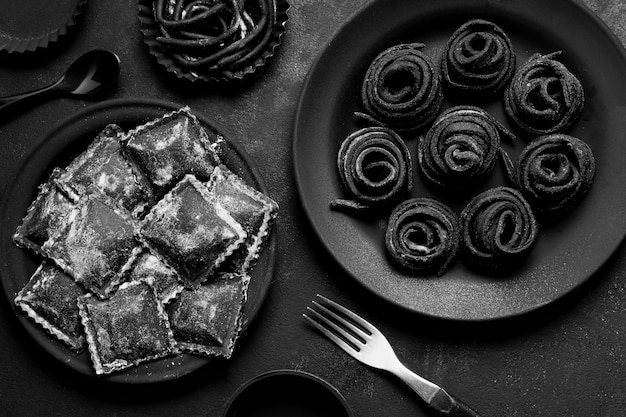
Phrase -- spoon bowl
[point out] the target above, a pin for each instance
(92, 73)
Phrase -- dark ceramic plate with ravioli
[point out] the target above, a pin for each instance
(57, 148)
(567, 253)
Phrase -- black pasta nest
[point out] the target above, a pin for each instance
(403, 91)
(479, 59)
(212, 40)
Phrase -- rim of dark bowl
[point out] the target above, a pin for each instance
(293, 374)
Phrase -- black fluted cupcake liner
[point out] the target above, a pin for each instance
(53, 20)
(193, 50)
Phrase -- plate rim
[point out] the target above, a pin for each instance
(589, 15)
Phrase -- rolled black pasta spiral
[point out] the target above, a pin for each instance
(217, 34)
(461, 147)
(554, 172)
(401, 89)
(374, 166)
(498, 228)
(478, 59)
(422, 235)
(543, 96)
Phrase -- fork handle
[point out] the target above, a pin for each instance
(448, 405)
(436, 397)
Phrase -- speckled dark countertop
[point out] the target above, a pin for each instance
(564, 360)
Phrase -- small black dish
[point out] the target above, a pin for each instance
(287, 393)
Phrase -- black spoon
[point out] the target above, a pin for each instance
(92, 73)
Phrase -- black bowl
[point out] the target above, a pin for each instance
(287, 393)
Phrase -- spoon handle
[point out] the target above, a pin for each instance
(10, 101)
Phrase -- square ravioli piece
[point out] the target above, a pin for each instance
(252, 209)
(96, 245)
(129, 328)
(167, 149)
(191, 230)
(50, 300)
(165, 279)
(43, 216)
(102, 168)
(207, 321)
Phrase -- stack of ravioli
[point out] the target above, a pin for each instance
(147, 240)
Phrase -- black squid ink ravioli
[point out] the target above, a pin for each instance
(108, 228)
(43, 216)
(50, 300)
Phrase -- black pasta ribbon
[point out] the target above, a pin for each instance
(423, 235)
(554, 172)
(374, 167)
(544, 96)
(401, 89)
(215, 34)
(461, 147)
(478, 58)
(498, 228)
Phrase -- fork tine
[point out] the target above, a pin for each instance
(356, 318)
(332, 336)
(322, 319)
(356, 330)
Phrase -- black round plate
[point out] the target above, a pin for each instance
(56, 148)
(568, 251)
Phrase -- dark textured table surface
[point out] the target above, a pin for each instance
(567, 359)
